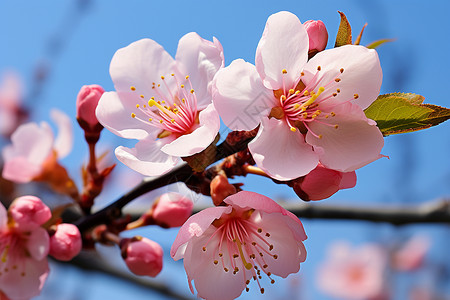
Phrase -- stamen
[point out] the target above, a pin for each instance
(132, 88)
(284, 71)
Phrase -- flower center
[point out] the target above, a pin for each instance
(173, 110)
(309, 102)
(243, 248)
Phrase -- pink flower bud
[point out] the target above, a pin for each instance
(29, 212)
(322, 183)
(221, 188)
(142, 256)
(172, 210)
(87, 101)
(318, 35)
(65, 244)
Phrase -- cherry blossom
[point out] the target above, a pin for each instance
(307, 111)
(163, 103)
(410, 255)
(226, 247)
(143, 257)
(34, 145)
(172, 210)
(353, 273)
(10, 103)
(24, 246)
(65, 243)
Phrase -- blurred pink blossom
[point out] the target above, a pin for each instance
(163, 103)
(10, 103)
(225, 247)
(33, 145)
(172, 209)
(143, 256)
(353, 273)
(24, 246)
(411, 255)
(307, 111)
(65, 243)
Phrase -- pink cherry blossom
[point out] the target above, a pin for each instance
(317, 34)
(164, 103)
(10, 103)
(322, 183)
(307, 111)
(143, 256)
(225, 247)
(65, 243)
(411, 255)
(23, 250)
(33, 145)
(172, 209)
(29, 212)
(353, 273)
(87, 101)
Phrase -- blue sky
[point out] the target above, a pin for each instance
(418, 61)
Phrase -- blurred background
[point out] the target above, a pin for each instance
(55, 47)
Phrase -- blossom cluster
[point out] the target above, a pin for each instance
(299, 111)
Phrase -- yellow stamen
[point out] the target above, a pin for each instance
(247, 265)
(133, 115)
(132, 88)
(293, 129)
(137, 105)
(187, 77)
(313, 98)
(152, 102)
(284, 71)
(291, 91)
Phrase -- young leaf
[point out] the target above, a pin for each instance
(378, 43)
(404, 112)
(344, 35)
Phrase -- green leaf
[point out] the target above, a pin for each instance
(378, 43)
(404, 112)
(344, 35)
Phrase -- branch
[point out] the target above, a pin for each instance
(430, 212)
(182, 172)
(89, 260)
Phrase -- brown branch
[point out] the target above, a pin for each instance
(430, 212)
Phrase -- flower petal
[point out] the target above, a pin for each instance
(147, 158)
(196, 225)
(348, 180)
(38, 243)
(239, 96)
(361, 75)
(283, 45)
(251, 200)
(114, 113)
(355, 143)
(3, 217)
(200, 59)
(199, 139)
(64, 140)
(26, 281)
(281, 153)
(206, 275)
(139, 65)
(290, 251)
(19, 169)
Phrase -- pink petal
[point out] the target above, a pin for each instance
(240, 97)
(283, 45)
(195, 226)
(64, 140)
(250, 200)
(114, 113)
(3, 217)
(348, 180)
(19, 169)
(200, 59)
(354, 144)
(199, 139)
(139, 65)
(147, 158)
(38, 243)
(200, 268)
(19, 286)
(289, 249)
(362, 73)
(29, 212)
(281, 153)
